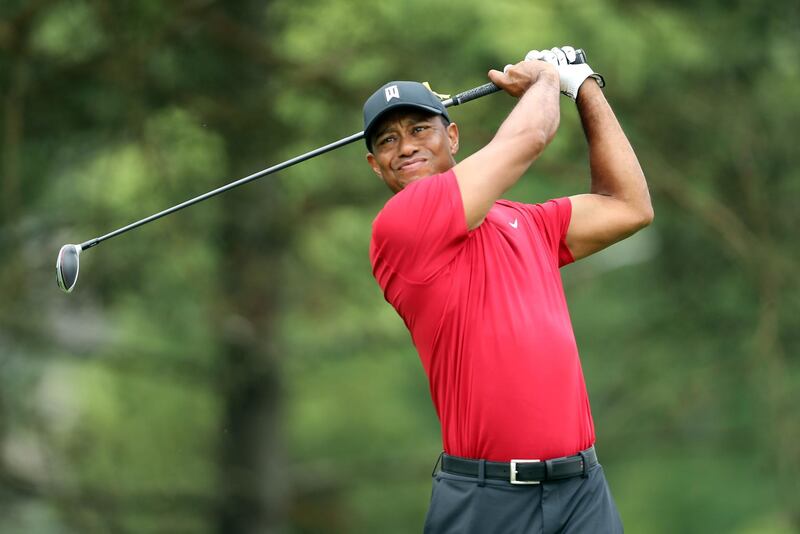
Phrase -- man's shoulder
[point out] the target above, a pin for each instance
(398, 204)
(426, 183)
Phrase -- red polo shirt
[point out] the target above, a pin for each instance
(487, 314)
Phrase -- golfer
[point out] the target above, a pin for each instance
(476, 280)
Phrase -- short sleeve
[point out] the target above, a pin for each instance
(552, 218)
(421, 228)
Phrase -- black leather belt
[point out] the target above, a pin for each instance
(524, 471)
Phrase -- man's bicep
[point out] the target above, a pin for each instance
(599, 221)
(484, 176)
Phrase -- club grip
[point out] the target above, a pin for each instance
(472, 94)
(489, 88)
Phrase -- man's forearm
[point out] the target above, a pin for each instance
(485, 175)
(614, 167)
(534, 120)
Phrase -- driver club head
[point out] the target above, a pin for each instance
(67, 267)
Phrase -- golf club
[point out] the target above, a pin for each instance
(68, 261)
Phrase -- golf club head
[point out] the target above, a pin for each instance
(67, 267)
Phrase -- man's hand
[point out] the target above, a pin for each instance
(571, 74)
(516, 79)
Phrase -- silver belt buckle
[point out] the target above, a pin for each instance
(513, 478)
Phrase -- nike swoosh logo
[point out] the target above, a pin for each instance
(514, 224)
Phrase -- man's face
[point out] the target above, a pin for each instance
(410, 144)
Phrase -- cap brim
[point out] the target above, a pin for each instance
(397, 105)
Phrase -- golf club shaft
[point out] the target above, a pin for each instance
(460, 98)
(275, 168)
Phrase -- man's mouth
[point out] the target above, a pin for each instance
(412, 165)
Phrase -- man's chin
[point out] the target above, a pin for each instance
(407, 178)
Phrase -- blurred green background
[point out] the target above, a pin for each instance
(235, 369)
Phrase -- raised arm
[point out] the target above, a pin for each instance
(619, 202)
(486, 175)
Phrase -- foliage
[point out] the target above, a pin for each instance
(234, 368)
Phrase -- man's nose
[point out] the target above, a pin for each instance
(408, 145)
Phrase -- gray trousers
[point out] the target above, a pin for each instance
(463, 505)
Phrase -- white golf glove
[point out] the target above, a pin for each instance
(572, 74)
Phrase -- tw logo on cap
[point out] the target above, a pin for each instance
(392, 92)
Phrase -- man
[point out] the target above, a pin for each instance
(476, 281)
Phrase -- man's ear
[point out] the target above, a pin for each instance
(452, 133)
(374, 164)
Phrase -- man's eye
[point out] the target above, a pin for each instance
(419, 128)
(386, 140)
